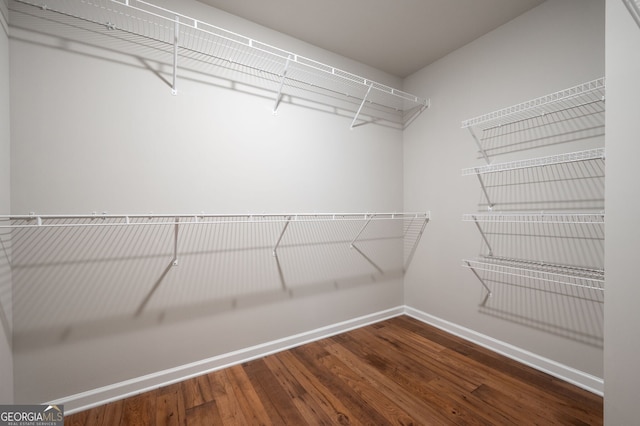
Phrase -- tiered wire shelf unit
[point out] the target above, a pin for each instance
(572, 103)
(634, 9)
(186, 36)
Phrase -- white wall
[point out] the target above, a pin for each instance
(623, 235)
(96, 129)
(6, 356)
(552, 47)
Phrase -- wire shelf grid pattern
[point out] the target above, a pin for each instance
(549, 218)
(36, 221)
(571, 157)
(573, 97)
(539, 271)
(156, 23)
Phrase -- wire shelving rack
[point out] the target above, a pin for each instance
(287, 69)
(592, 279)
(546, 218)
(408, 227)
(585, 98)
(570, 157)
(34, 220)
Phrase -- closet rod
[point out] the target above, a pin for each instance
(35, 220)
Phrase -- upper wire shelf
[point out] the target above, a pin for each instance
(550, 218)
(185, 33)
(576, 96)
(634, 9)
(36, 221)
(591, 154)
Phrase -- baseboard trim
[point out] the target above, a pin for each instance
(103, 395)
(576, 377)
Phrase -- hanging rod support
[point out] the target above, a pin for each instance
(484, 236)
(282, 79)
(477, 141)
(361, 105)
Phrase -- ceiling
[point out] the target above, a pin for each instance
(395, 36)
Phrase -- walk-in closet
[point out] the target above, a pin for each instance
(218, 212)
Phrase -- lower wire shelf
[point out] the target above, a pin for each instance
(592, 279)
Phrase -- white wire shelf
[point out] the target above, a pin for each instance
(95, 219)
(543, 218)
(550, 273)
(184, 33)
(634, 9)
(571, 157)
(573, 97)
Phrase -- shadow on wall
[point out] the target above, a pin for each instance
(581, 119)
(5, 284)
(224, 66)
(86, 280)
(574, 312)
(577, 186)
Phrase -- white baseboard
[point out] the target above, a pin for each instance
(576, 377)
(103, 395)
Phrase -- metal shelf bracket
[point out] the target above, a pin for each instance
(284, 229)
(480, 148)
(486, 194)
(282, 79)
(486, 287)
(361, 105)
(484, 237)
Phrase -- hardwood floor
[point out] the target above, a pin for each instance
(399, 371)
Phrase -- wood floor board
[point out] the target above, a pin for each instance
(356, 406)
(170, 409)
(398, 371)
(206, 414)
(277, 400)
(331, 404)
(228, 405)
(197, 391)
(312, 410)
(414, 400)
(252, 407)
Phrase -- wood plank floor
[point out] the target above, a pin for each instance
(399, 371)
